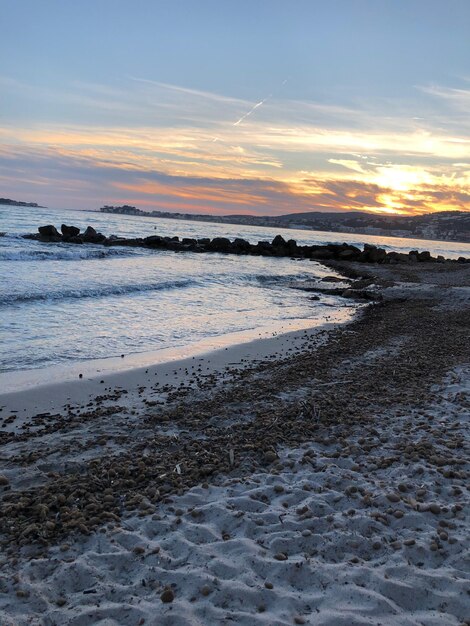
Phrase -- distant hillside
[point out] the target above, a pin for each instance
(9, 202)
(445, 225)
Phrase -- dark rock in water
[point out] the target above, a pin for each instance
(413, 256)
(375, 255)
(91, 236)
(69, 231)
(397, 257)
(332, 279)
(155, 241)
(425, 256)
(263, 247)
(348, 255)
(320, 253)
(292, 246)
(186, 241)
(49, 232)
(241, 245)
(279, 241)
(220, 244)
(122, 241)
(204, 241)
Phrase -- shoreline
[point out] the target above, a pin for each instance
(48, 389)
(326, 487)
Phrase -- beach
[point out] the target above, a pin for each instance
(318, 479)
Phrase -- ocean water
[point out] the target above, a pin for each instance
(62, 303)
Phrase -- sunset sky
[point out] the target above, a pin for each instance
(253, 106)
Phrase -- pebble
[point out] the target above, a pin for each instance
(280, 556)
(4, 480)
(393, 497)
(270, 456)
(167, 596)
(206, 590)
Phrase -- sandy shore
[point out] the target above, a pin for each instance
(325, 485)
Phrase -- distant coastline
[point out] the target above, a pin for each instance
(441, 226)
(9, 202)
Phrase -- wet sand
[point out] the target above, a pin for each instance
(324, 487)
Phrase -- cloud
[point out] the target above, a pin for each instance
(187, 151)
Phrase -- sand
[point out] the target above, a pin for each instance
(327, 486)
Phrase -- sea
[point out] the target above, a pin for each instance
(63, 304)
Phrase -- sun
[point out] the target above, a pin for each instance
(401, 177)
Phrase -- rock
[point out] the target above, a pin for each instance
(292, 246)
(425, 256)
(279, 241)
(91, 236)
(348, 255)
(155, 241)
(397, 257)
(270, 457)
(167, 595)
(49, 232)
(4, 480)
(241, 245)
(280, 556)
(264, 248)
(69, 231)
(220, 244)
(320, 253)
(332, 279)
(375, 255)
(434, 508)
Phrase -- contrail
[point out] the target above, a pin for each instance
(258, 104)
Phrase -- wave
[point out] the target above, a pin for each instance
(77, 254)
(94, 292)
(281, 279)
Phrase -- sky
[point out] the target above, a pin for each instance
(261, 107)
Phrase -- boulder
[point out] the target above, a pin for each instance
(264, 248)
(69, 231)
(155, 241)
(241, 245)
(376, 255)
(49, 232)
(292, 246)
(91, 236)
(425, 255)
(220, 244)
(348, 255)
(397, 257)
(319, 252)
(279, 241)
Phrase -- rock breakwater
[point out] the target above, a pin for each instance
(278, 247)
